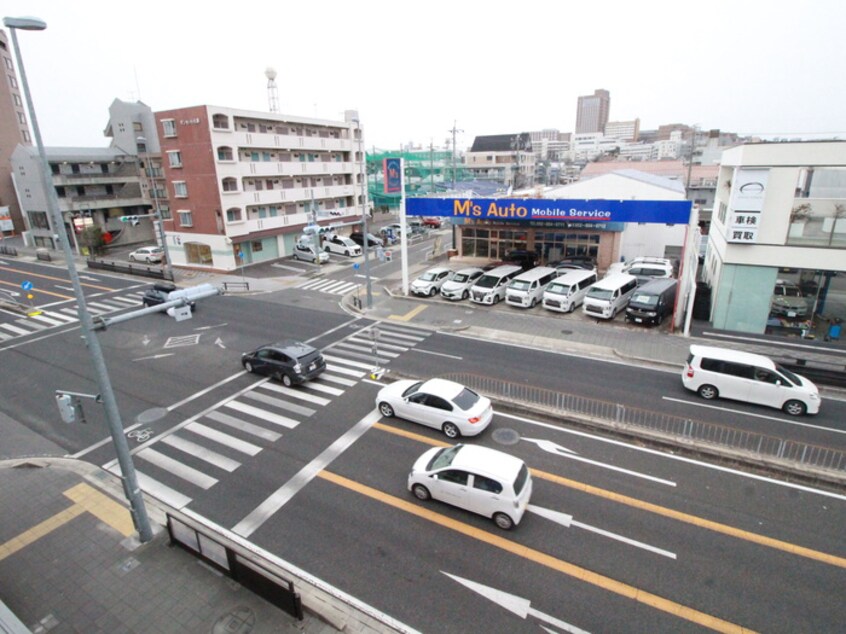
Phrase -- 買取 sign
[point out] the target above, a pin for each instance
(648, 211)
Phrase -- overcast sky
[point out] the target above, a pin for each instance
(412, 69)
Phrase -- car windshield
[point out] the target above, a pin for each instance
(466, 399)
(558, 288)
(413, 388)
(520, 285)
(460, 277)
(429, 276)
(600, 293)
(443, 458)
(522, 479)
(791, 291)
(645, 299)
(487, 281)
(790, 376)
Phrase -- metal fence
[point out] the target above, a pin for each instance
(664, 426)
(132, 269)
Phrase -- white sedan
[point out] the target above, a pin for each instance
(454, 409)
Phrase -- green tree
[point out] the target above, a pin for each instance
(92, 237)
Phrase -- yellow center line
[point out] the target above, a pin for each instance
(409, 315)
(35, 292)
(583, 574)
(85, 499)
(679, 516)
(55, 279)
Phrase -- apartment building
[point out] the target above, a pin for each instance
(243, 185)
(779, 223)
(505, 158)
(592, 112)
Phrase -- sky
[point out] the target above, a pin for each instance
(415, 70)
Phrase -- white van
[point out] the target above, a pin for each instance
(527, 289)
(743, 376)
(609, 296)
(490, 288)
(567, 292)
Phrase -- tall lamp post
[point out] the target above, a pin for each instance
(128, 478)
(148, 171)
(366, 240)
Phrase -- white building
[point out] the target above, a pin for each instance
(779, 213)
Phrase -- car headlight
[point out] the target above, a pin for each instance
(298, 368)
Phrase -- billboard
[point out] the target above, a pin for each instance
(563, 210)
(392, 175)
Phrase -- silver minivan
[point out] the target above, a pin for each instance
(490, 288)
(609, 295)
(527, 289)
(567, 292)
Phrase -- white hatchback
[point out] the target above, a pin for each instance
(474, 478)
(446, 405)
(147, 254)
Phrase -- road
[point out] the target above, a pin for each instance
(620, 538)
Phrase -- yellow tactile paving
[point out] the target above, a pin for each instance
(86, 499)
(409, 315)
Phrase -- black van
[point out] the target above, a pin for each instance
(652, 302)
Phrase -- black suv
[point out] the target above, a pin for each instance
(288, 361)
(160, 293)
(373, 241)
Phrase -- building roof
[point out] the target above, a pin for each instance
(82, 154)
(501, 142)
(676, 170)
(672, 185)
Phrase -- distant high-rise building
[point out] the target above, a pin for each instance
(592, 112)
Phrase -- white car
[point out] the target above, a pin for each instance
(309, 253)
(431, 281)
(474, 478)
(147, 254)
(342, 245)
(454, 409)
(458, 286)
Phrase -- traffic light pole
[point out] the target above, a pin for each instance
(128, 476)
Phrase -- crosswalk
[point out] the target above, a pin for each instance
(195, 455)
(42, 319)
(332, 287)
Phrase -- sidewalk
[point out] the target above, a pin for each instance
(70, 561)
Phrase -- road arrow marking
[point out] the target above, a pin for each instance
(146, 340)
(514, 604)
(219, 343)
(569, 522)
(155, 356)
(558, 450)
(211, 327)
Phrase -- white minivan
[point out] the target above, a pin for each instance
(567, 292)
(527, 289)
(609, 295)
(743, 376)
(490, 288)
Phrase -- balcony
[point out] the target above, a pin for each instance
(817, 222)
(246, 227)
(276, 196)
(268, 141)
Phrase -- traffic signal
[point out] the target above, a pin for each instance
(70, 408)
(133, 220)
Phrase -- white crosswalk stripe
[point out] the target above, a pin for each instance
(329, 286)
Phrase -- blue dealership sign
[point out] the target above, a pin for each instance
(563, 210)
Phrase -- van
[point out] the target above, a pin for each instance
(743, 376)
(609, 295)
(643, 268)
(527, 289)
(567, 292)
(490, 288)
(652, 302)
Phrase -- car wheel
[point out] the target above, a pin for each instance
(296, 257)
(465, 294)
(248, 366)
(326, 248)
(503, 521)
(286, 380)
(708, 392)
(432, 291)
(149, 260)
(347, 253)
(534, 303)
(132, 258)
(386, 410)
(572, 307)
(421, 492)
(795, 408)
(451, 430)
(496, 299)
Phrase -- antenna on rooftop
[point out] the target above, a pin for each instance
(272, 90)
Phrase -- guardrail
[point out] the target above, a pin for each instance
(684, 430)
(131, 269)
(244, 286)
(4, 250)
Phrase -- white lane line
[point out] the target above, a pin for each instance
(764, 416)
(279, 403)
(198, 451)
(244, 426)
(160, 491)
(347, 371)
(281, 496)
(296, 393)
(261, 414)
(177, 468)
(437, 354)
(224, 439)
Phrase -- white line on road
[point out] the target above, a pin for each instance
(438, 354)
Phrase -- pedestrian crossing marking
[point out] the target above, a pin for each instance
(366, 349)
(355, 364)
(336, 379)
(198, 451)
(346, 371)
(169, 496)
(276, 402)
(180, 469)
(276, 419)
(241, 425)
(224, 439)
(296, 393)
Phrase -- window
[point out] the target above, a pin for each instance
(230, 184)
(233, 215)
(484, 483)
(180, 189)
(17, 100)
(224, 154)
(185, 218)
(220, 122)
(175, 158)
(168, 127)
(13, 81)
(457, 477)
(256, 246)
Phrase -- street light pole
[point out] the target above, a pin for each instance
(366, 240)
(154, 191)
(128, 477)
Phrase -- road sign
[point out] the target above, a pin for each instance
(356, 265)
(27, 286)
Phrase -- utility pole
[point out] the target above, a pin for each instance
(366, 240)
(454, 131)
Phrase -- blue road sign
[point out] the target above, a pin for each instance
(27, 286)
(356, 265)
